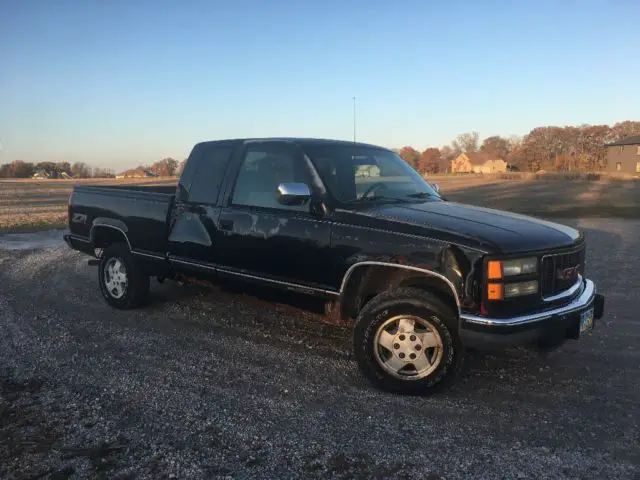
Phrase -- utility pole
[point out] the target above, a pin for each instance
(354, 119)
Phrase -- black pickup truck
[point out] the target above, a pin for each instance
(419, 277)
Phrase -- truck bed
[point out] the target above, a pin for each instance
(165, 189)
(139, 211)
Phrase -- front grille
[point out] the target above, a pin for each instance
(553, 281)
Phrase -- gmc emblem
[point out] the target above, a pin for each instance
(570, 273)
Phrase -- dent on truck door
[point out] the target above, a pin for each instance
(192, 233)
(193, 226)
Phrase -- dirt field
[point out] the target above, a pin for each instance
(201, 384)
(36, 204)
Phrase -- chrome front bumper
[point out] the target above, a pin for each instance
(586, 298)
(520, 329)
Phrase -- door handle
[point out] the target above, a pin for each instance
(226, 224)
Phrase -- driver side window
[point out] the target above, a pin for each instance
(262, 170)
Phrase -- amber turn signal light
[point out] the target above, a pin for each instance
(494, 269)
(495, 291)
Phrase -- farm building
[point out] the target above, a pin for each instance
(477, 162)
(41, 174)
(139, 172)
(623, 156)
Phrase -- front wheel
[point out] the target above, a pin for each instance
(406, 341)
(122, 283)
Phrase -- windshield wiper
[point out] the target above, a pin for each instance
(378, 197)
(422, 195)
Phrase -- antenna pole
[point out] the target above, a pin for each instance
(354, 119)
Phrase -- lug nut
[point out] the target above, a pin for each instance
(401, 355)
(401, 337)
(396, 346)
(412, 356)
(412, 338)
(418, 347)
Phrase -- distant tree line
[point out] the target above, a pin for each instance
(166, 167)
(566, 148)
(20, 169)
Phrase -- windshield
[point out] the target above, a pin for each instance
(359, 174)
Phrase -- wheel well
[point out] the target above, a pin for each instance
(435, 285)
(104, 236)
(368, 281)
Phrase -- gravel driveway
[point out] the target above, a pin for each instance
(205, 384)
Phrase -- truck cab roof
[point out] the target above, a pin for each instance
(301, 141)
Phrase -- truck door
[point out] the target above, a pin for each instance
(260, 236)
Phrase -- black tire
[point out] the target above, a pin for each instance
(417, 303)
(137, 281)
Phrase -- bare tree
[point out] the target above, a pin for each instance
(496, 146)
(625, 129)
(514, 142)
(80, 170)
(466, 142)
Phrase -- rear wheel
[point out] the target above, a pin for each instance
(406, 341)
(122, 283)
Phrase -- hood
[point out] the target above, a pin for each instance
(494, 230)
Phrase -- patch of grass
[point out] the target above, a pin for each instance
(28, 223)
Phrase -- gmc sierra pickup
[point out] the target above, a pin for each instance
(419, 277)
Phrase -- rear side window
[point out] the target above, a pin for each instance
(209, 174)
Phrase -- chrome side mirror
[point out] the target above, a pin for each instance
(293, 193)
(436, 187)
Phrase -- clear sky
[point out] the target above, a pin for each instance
(122, 82)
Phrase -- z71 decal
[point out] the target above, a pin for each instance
(79, 218)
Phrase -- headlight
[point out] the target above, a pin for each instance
(500, 291)
(498, 269)
(522, 266)
(520, 288)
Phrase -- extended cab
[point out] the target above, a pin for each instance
(420, 277)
